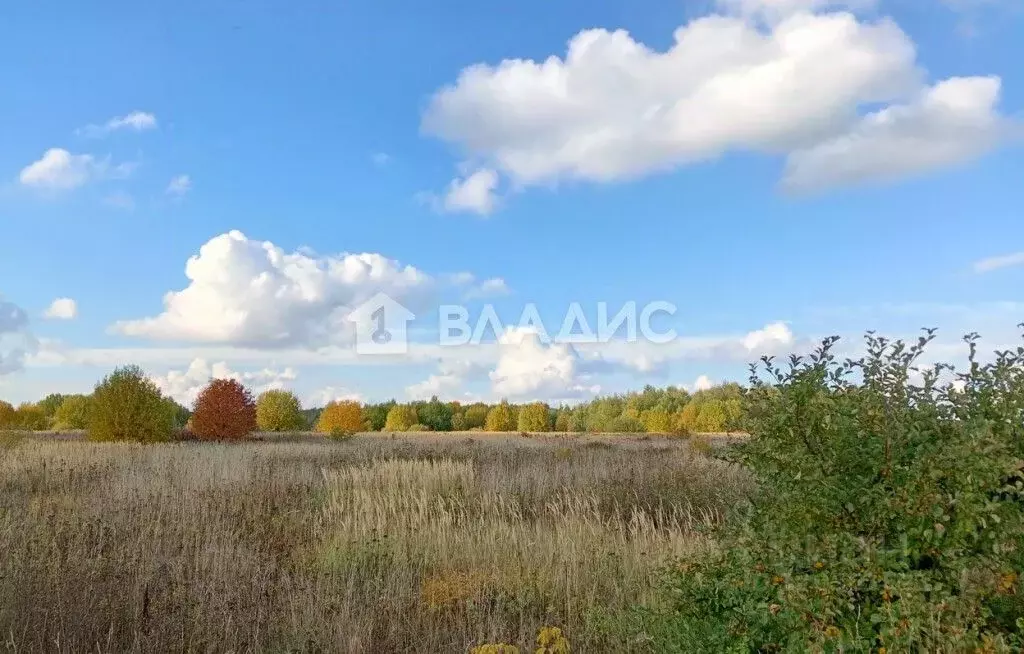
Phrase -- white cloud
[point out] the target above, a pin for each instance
(248, 292)
(185, 385)
(613, 108)
(136, 121)
(702, 383)
(448, 382)
(61, 170)
(474, 193)
(529, 369)
(777, 9)
(63, 308)
(325, 396)
(16, 343)
(952, 122)
(1002, 261)
(493, 287)
(179, 185)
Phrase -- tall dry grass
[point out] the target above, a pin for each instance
(375, 545)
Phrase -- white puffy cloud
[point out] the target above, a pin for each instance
(613, 108)
(494, 287)
(63, 308)
(527, 368)
(136, 121)
(997, 262)
(474, 193)
(950, 123)
(329, 394)
(776, 9)
(60, 170)
(179, 185)
(185, 385)
(702, 383)
(247, 292)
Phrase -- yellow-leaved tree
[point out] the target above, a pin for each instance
(534, 417)
(400, 418)
(344, 417)
(279, 410)
(500, 418)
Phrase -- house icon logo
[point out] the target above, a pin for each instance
(381, 326)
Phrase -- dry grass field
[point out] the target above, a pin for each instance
(413, 543)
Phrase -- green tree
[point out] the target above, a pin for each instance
(400, 418)
(436, 415)
(458, 422)
(711, 416)
(563, 420)
(50, 404)
(534, 417)
(476, 416)
(279, 410)
(501, 418)
(127, 406)
(376, 415)
(73, 413)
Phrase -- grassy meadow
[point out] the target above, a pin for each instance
(375, 544)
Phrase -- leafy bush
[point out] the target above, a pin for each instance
(419, 427)
(888, 515)
(624, 425)
(400, 418)
(127, 406)
(279, 410)
(534, 417)
(435, 414)
(501, 418)
(73, 412)
(340, 418)
(30, 417)
(7, 415)
(224, 410)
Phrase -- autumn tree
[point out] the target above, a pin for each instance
(375, 416)
(279, 410)
(30, 417)
(127, 406)
(656, 421)
(563, 420)
(501, 418)
(341, 417)
(400, 418)
(73, 413)
(534, 417)
(224, 409)
(7, 415)
(476, 416)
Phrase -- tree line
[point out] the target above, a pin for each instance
(668, 410)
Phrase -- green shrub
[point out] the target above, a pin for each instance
(419, 427)
(73, 412)
(127, 406)
(888, 515)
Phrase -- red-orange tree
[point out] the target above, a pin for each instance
(224, 410)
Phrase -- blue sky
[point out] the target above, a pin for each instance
(780, 170)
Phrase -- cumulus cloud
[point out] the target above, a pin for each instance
(136, 121)
(247, 292)
(950, 123)
(474, 193)
(1002, 261)
(613, 108)
(16, 343)
(702, 383)
(493, 287)
(527, 368)
(63, 308)
(179, 185)
(60, 170)
(184, 385)
(448, 382)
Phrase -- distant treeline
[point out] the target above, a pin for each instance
(655, 410)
